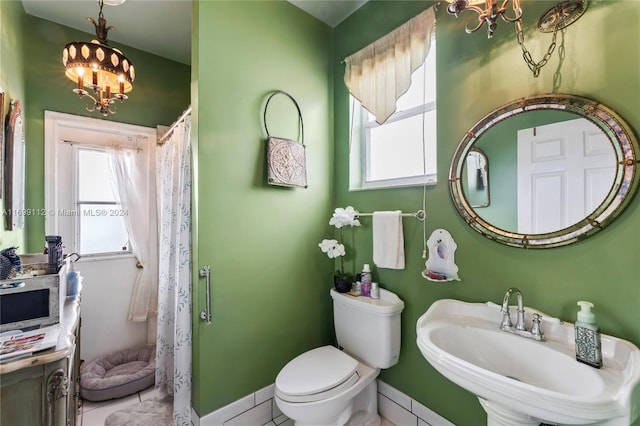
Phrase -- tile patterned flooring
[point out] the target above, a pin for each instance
(95, 413)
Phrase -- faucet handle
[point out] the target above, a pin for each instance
(536, 329)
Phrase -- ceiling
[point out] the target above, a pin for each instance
(160, 27)
(331, 12)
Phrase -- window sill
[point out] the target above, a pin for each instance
(105, 256)
(428, 180)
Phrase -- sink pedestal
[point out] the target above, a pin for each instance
(498, 415)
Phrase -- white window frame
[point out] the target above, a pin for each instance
(61, 189)
(359, 138)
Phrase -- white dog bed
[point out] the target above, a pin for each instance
(118, 373)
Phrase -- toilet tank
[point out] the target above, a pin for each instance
(369, 328)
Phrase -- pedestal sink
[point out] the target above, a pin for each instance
(520, 381)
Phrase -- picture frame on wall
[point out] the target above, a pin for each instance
(14, 167)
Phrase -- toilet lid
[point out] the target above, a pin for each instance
(316, 371)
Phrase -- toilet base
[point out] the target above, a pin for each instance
(365, 407)
(365, 420)
(361, 411)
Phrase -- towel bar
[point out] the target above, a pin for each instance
(420, 215)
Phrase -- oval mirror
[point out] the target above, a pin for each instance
(562, 168)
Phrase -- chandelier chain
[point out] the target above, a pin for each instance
(557, 77)
(534, 66)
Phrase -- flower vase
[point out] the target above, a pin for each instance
(342, 285)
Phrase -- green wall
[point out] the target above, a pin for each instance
(270, 281)
(476, 75)
(161, 93)
(31, 70)
(12, 81)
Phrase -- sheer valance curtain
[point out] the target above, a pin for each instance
(380, 73)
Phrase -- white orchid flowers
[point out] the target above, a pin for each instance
(341, 218)
(344, 217)
(333, 248)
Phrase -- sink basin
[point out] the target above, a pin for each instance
(520, 381)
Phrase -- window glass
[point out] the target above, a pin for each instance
(93, 176)
(100, 226)
(402, 151)
(395, 150)
(102, 229)
(423, 88)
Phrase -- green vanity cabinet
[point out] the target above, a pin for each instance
(42, 389)
(35, 395)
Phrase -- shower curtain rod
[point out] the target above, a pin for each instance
(103, 147)
(173, 126)
(420, 215)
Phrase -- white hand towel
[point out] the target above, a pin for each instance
(388, 240)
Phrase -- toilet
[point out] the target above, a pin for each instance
(328, 386)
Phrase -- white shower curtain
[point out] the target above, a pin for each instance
(173, 342)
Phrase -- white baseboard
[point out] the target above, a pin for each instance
(260, 409)
(402, 410)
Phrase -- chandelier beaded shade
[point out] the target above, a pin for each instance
(100, 68)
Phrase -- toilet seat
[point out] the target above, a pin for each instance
(317, 375)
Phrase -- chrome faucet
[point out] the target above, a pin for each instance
(506, 317)
(520, 327)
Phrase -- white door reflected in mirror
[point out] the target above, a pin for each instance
(565, 171)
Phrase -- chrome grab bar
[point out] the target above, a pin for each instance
(205, 314)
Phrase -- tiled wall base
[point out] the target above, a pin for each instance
(260, 409)
(402, 410)
(256, 409)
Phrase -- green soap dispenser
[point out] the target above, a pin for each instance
(588, 346)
